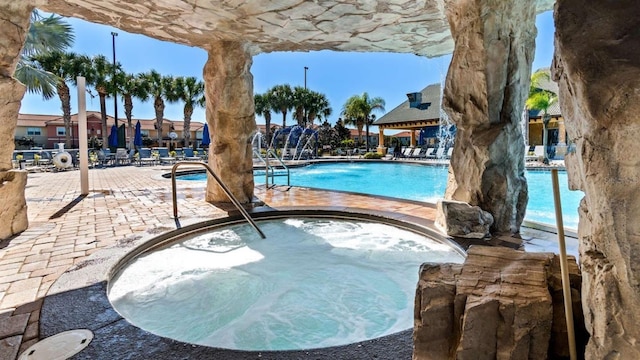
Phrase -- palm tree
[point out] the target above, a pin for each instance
(541, 100)
(357, 110)
(101, 77)
(191, 92)
(159, 87)
(63, 67)
(45, 35)
(263, 108)
(131, 86)
(318, 107)
(281, 100)
(301, 100)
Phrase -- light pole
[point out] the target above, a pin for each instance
(115, 91)
(305, 87)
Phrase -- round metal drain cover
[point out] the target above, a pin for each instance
(59, 346)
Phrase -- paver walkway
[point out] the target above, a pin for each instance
(124, 202)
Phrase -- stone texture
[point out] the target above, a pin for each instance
(499, 304)
(456, 218)
(484, 94)
(14, 23)
(600, 102)
(13, 207)
(231, 119)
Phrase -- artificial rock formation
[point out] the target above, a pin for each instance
(597, 67)
(486, 86)
(459, 219)
(230, 115)
(14, 22)
(500, 304)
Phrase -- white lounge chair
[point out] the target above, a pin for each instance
(407, 152)
(429, 154)
(415, 153)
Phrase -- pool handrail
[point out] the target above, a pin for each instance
(270, 170)
(224, 187)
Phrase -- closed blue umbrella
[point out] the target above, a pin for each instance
(113, 137)
(137, 138)
(206, 139)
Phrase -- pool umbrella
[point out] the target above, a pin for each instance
(137, 138)
(206, 140)
(113, 137)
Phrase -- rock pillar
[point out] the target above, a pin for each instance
(597, 67)
(484, 94)
(14, 24)
(500, 304)
(231, 118)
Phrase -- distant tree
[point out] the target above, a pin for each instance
(342, 132)
(318, 107)
(328, 136)
(301, 101)
(263, 108)
(281, 100)
(45, 35)
(159, 86)
(357, 110)
(541, 100)
(190, 91)
(131, 86)
(64, 67)
(101, 77)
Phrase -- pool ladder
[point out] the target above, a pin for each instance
(224, 188)
(271, 171)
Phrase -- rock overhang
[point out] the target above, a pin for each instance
(400, 26)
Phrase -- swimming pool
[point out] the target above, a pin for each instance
(421, 183)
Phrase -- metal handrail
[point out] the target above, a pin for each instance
(224, 187)
(268, 168)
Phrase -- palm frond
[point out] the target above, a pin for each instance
(38, 80)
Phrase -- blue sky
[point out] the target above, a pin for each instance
(335, 74)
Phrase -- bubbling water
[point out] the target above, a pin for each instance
(312, 283)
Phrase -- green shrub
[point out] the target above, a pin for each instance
(372, 155)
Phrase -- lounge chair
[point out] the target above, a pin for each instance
(122, 157)
(406, 152)
(164, 156)
(449, 153)
(145, 157)
(189, 156)
(439, 153)
(429, 153)
(536, 155)
(105, 157)
(415, 153)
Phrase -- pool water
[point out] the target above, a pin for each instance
(422, 183)
(313, 282)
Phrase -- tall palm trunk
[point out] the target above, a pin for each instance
(188, 111)
(284, 118)
(103, 117)
(267, 130)
(128, 112)
(158, 105)
(65, 100)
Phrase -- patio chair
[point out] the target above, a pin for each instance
(449, 153)
(415, 153)
(429, 153)
(164, 156)
(189, 155)
(105, 157)
(406, 152)
(145, 157)
(122, 157)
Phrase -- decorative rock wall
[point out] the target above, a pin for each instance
(14, 23)
(486, 86)
(597, 67)
(500, 304)
(230, 115)
(460, 219)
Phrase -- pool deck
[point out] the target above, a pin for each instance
(127, 205)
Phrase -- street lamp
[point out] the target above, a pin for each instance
(305, 77)
(115, 91)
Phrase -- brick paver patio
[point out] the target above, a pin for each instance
(123, 202)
